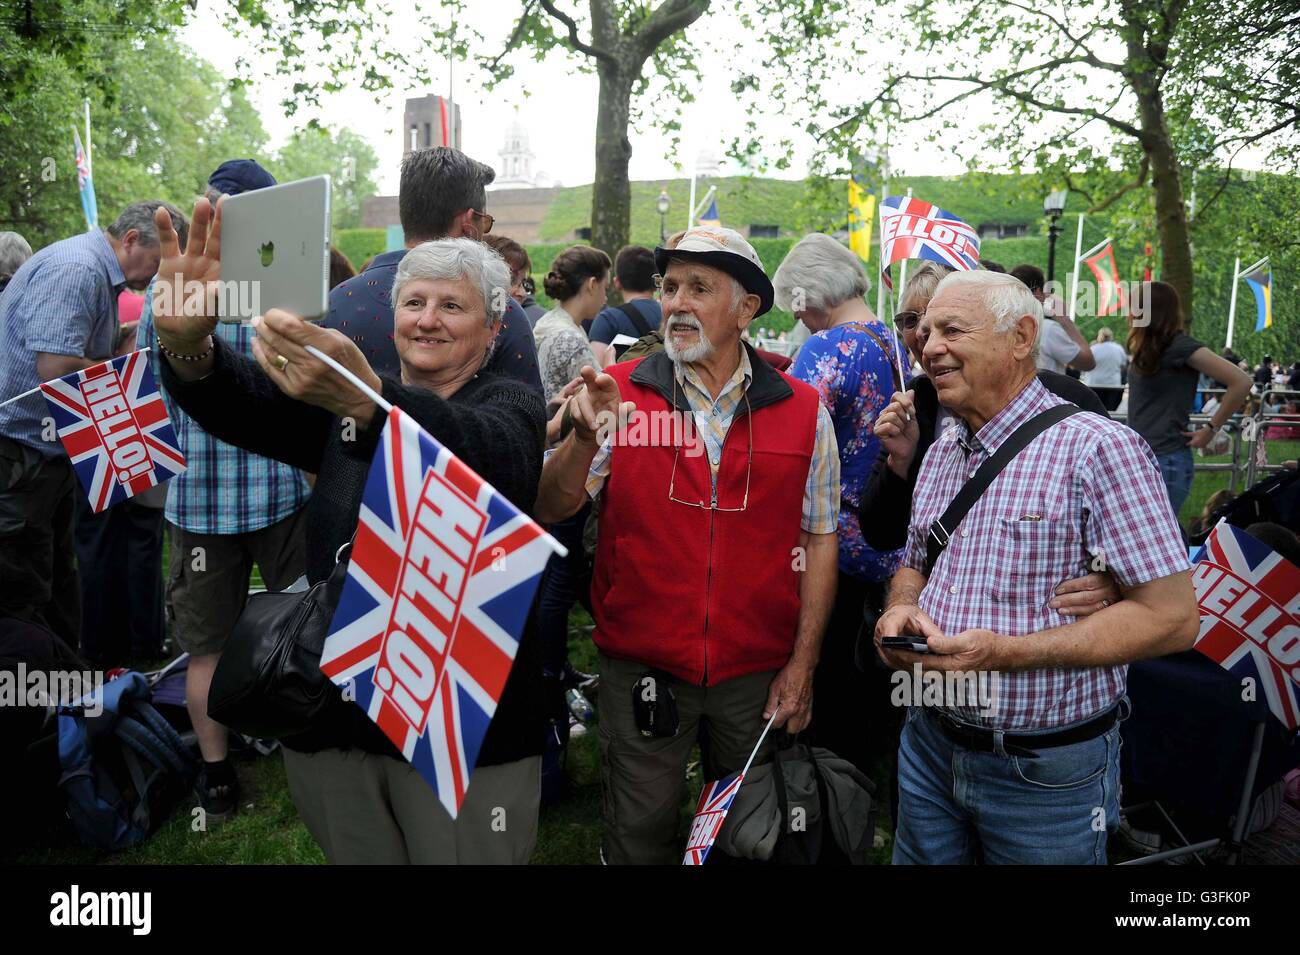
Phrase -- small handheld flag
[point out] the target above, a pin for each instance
(115, 428)
(913, 229)
(441, 578)
(1249, 600)
(1260, 280)
(1110, 293)
(715, 801)
(85, 184)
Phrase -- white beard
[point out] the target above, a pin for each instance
(702, 349)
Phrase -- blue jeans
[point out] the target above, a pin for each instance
(958, 806)
(1177, 469)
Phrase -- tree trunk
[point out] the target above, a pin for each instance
(1171, 213)
(611, 194)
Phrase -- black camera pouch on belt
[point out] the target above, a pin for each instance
(654, 704)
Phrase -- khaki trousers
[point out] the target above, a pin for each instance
(644, 778)
(365, 809)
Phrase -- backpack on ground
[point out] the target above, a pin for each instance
(122, 768)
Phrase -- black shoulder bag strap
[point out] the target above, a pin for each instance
(973, 490)
(638, 320)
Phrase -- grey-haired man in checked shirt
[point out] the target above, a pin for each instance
(1033, 778)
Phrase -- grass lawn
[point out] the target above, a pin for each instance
(268, 830)
(1206, 483)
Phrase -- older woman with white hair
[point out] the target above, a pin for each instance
(14, 251)
(851, 358)
(359, 798)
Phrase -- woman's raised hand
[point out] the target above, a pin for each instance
(185, 292)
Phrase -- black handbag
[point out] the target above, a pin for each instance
(268, 683)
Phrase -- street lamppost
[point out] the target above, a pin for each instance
(1053, 206)
(662, 205)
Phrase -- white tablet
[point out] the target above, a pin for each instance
(275, 251)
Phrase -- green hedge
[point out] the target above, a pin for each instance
(360, 244)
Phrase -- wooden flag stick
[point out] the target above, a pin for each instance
(365, 389)
(762, 736)
(378, 399)
(31, 391)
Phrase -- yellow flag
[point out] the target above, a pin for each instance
(862, 212)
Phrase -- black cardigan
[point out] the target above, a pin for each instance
(886, 508)
(495, 425)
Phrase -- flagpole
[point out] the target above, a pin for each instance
(762, 736)
(1251, 268)
(1095, 249)
(880, 244)
(90, 162)
(690, 205)
(902, 268)
(1232, 298)
(360, 385)
(31, 391)
(388, 409)
(25, 394)
(1074, 282)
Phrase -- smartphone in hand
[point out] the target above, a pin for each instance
(909, 642)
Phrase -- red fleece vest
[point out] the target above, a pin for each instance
(706, 595)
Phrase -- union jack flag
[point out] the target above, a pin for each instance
(1249, 598)
(85, 185)
(114, 426)
(913, 229)
(710, 814)
(441, 578)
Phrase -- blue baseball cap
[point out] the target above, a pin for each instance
(240, 175)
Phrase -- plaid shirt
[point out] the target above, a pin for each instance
(1086, 488)
(821, 493)
(225, 490)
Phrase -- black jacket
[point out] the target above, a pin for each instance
(886, 508)
(495, 425)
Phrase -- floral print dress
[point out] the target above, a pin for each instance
(855, 378)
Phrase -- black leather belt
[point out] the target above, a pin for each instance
(1021, 744)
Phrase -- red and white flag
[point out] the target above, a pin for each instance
(115, 428)
(1110, 293)
(1249, 598)
(913, 229)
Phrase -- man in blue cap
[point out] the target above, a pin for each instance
(229, 510)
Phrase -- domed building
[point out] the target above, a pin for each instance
(515, 170)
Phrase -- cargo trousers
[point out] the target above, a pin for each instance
(643, 779)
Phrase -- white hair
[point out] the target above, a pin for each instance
(822, 271)
(454, 259)
(14, 251)
(1006, 297)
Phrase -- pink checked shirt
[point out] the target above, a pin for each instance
(1087, 487)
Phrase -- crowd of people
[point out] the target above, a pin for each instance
(754, 569)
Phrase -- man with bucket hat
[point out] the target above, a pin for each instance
(722, 476)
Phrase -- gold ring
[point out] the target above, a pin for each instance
(281, 362)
